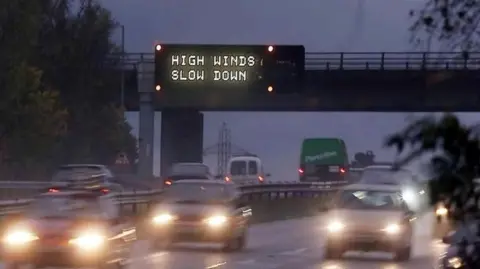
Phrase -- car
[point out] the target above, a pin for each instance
(369, 217)
(413, 190)
(451, 257)
(88, 176)
(68, 229)
(200, 211)
(182, 171)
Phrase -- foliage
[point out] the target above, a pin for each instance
(455, 163)
(58, 77)
(455, 23)
(362, 159)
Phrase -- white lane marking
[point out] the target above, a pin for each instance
(216, 265)
(293, 252)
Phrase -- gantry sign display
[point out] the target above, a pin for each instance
(226, 67)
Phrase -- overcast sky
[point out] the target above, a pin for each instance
(319, 25)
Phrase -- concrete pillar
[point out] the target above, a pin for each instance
(146, 119)
(181, 138)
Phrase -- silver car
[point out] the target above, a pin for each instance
(200, 211)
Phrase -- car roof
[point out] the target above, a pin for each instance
(374, 187)
(83, 165)
(203, 181)
(189, 163)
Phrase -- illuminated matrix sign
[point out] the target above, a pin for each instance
(207, 66)
(194, 67)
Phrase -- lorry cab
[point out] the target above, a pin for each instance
(245, 170)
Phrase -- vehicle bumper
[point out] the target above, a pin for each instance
(54, 256)
(368, 241)
(192, 233)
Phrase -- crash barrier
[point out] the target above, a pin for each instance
(272, 201)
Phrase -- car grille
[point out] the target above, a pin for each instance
(190, 218)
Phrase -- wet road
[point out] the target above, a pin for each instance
(286, 245)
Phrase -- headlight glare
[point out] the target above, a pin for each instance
(392, 229)
(19, 237)
(408, 196)
(88, 240)
(441, 211)
(335, 226)
(216, 221)
(454, 262)
(163, 218)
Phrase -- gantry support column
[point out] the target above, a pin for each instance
(181, 137)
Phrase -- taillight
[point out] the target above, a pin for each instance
(227, 179)
(52, 190)
(168, 182)
(342, 170)
(105, 191)
(260, 178)
(300, 170)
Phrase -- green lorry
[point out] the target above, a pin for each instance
(324, 160)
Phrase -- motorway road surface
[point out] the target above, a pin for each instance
(287, 245)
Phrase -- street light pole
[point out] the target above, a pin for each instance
(122, 74)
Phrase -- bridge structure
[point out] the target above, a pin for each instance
(379, 81)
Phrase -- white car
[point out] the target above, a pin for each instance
(413, 190)
(368, 218)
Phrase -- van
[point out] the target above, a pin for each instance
(245, 170)
(324, 160)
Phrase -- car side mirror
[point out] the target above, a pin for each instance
(268, 175)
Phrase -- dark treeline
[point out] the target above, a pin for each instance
(58, 87)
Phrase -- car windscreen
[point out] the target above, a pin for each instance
(238, 168)
(198, 193)
(64, 206)
(68, 173)
(189, 169)
(385, 176)
(370, 200)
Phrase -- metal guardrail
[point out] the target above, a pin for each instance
(139, 201)
(367, 60)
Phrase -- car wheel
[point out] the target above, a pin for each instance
(235, 244)
(333, 252)
(403, 254)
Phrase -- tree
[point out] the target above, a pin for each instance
(454, 162)
(362, 159)
(60, 70)
(32, 120)
(79, 58)
(455, 23)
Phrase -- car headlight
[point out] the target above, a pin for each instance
(441, 211)
(89, 240)
(409, 196)
(216, 221)
(393, 229)
(163, 218)
(335, 226)
(19, 237)
(454, 262)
